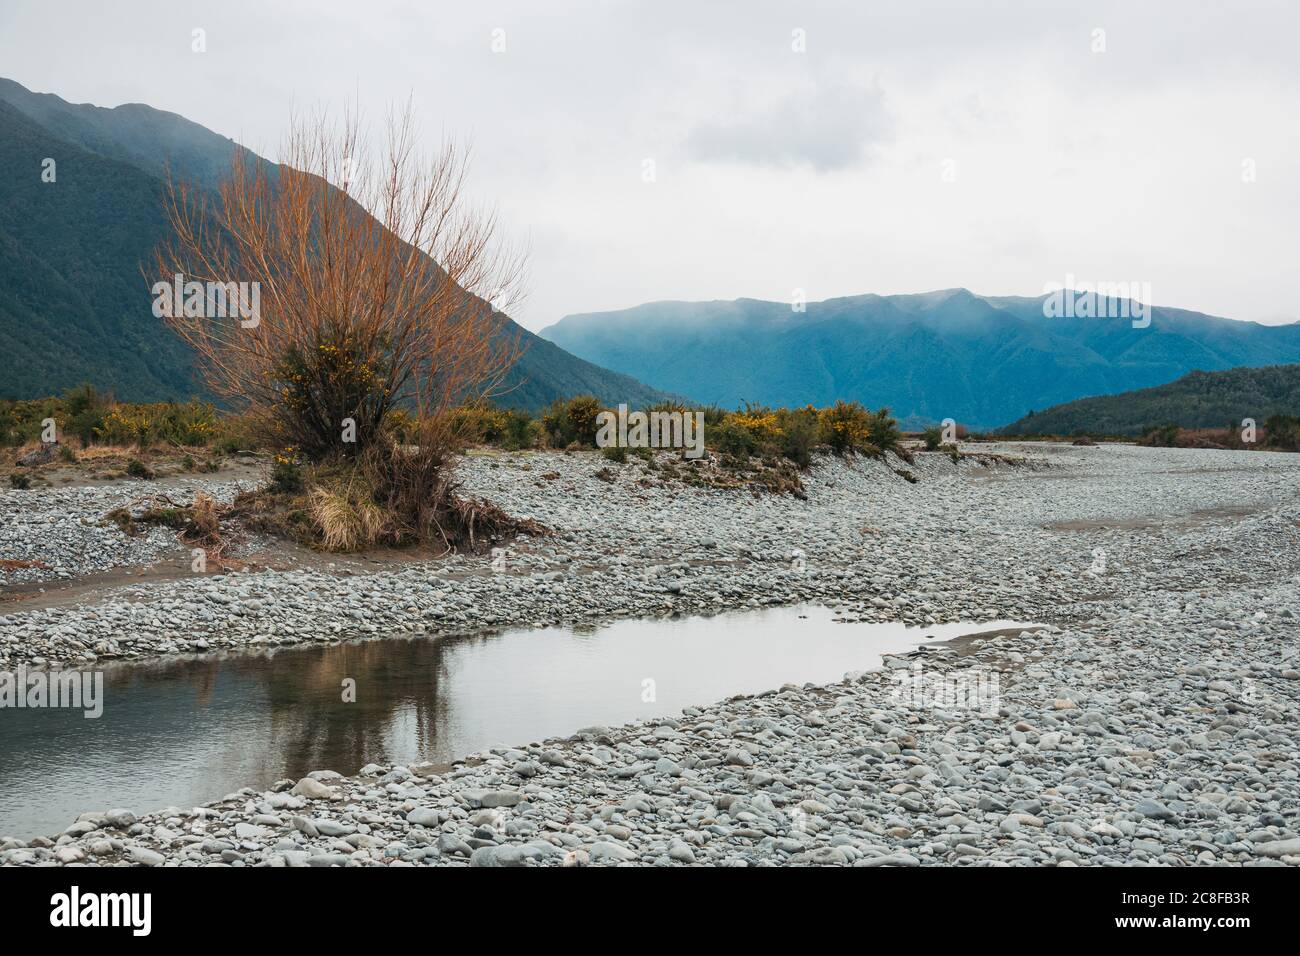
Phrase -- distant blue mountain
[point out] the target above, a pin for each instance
(981, 360)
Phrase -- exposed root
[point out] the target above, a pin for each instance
(477, 524)
(345, 509)
(197, 525)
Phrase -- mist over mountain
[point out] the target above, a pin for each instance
(74, 305)
(982, 360)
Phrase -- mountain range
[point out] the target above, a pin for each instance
(1197, 400)
(74, 305)
(981, 360)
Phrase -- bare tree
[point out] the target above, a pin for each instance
(374, 285)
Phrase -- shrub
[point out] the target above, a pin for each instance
(1160, 436)
(286, 477)
(190, 423)
(391, 495)
(582, 412)
(9, 423)
(714, 415)
(85, 413)
(520, 431)
(126, 425)
(20, 479)
(732, 438)
(1282, 432)
(883, 434)
(616, 453)
(484, 423)
(794, 433)
(571, 422)
(341, 378)
(844, 427)
(235, 433)
(370, 312)
(138, 469)
(933, 438)
(24, 421)
(754, 431)
(478, 423)
(555, 424)
(400, 425)
(797, 434)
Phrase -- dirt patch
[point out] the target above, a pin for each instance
(98, 467)
(1201, 516)
(1105, 524)
(91, 589)
(966, 644)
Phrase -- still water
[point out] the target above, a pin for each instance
(187, 731)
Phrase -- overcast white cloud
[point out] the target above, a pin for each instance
(911, 146)
(827, 128)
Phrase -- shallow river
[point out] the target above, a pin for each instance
(189, 731)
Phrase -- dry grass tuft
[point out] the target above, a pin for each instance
(93, 453)
(391, 498)
(348, 520)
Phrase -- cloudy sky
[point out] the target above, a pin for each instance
(665, 150)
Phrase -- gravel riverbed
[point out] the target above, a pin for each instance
(1154, 720)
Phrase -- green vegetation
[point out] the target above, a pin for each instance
(286, 477)
(572, 422)
(90, 418)
(138, 469)
(844, 428)
(374, 499)
(1277, 433)
(1282, 432)
(321, 387)
(1198, 400)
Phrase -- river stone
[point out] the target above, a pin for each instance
(145, 856)
(1278, 848)
(497, 856)
(333, 828)
(309, 787)
(491, 798)
(1164, 696)
(610, 851)
(423, 817)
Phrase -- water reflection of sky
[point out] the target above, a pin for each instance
(188, 731)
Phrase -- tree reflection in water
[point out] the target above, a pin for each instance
(399, 713)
